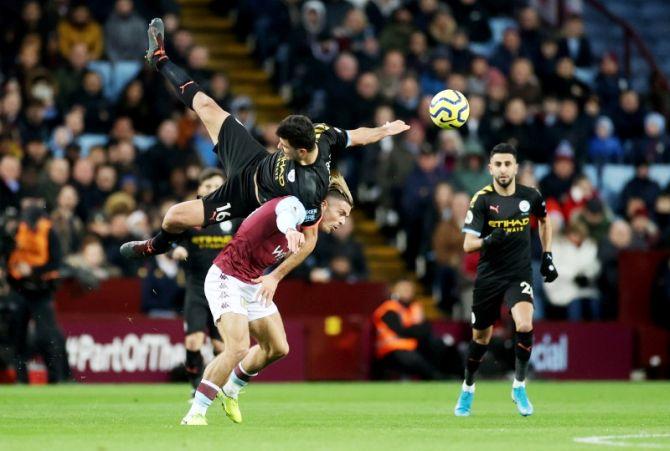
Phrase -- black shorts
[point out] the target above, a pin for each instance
(197, 316)
(240, 155)
(488, 298)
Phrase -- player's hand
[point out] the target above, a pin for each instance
(295, 240)
(496, 237)
(266, 292)
(395, 127)
(179, 253)
(548, 270)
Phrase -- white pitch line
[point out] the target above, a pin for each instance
(615, 440)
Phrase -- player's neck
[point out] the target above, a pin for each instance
(505, 190)
(310, 158)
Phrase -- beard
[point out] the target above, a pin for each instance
(504, 184)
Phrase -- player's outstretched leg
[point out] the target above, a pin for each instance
(185, 88)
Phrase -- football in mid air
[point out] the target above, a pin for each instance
(449, 109)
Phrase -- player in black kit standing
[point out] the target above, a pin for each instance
(253, 176)
(197, 250)
(498, 225)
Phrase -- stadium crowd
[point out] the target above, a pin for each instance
(89, 128)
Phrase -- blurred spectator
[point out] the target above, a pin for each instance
(581, 191)
(575, 292)
(472, 175)
(70, 77)
(609, 82)
(242, 107)
(628, 117)
(10, 182)
(442, 28)
(642, 187)
(605, 147)
(545, 65)
(434, 78)
(197, 61)
(98, 111)
(92, 259)
(391, 73)
(133, 105)
(654, 146)
(339, 256)
(618, 239)
(125, 33)
(530, 32)
(595, 217)
(477, 129)
(418, 57)
(367, 99)
(342, 85)
(574, 44)
(516, 130)
(33, 268)
(219, 90)
(68, 227)
(395, 35)
(473, 16)
(507, 51)
(395, 161)
(58, 173)
(645, 231)
(523, 83)
(405, 342)
(447, 245)
(564, 84)
(558, 182)
(416, 197)
(408, 98)
(461, 56)
(80, 28)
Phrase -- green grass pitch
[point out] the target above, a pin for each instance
(346, 416)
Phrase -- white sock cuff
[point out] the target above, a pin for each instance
(517, 384)
(239, 365)
(211, 384)
(468, 388)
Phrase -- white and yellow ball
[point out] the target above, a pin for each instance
(449, 109)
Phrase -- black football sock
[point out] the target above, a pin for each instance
(194, 367)
(183, 84)
(162, 241)
(475, 356)
(523, 344)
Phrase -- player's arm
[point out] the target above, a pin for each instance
(474, 225)
(547, 268)
(270, 281)
(419, 331)
(290, 213)
(365, 135)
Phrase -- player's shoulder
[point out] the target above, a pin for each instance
(482, 193)
(528, 191)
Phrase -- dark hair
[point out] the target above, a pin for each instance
(503, 148)
(208, 173)
(298, 131)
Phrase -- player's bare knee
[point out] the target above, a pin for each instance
(279, 350)
(192, 342)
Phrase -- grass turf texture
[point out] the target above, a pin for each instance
(357, 416)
